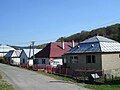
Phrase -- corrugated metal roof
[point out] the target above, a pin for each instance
(54, 50)
(97, 39)
(96, 44)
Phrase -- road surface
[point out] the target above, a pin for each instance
(28, 80)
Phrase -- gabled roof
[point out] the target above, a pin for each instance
(30, 53)
(54, 50)
(14, 53)
(96, 44)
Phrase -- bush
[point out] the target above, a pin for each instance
(2, 60)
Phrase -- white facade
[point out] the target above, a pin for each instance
(15, 61)
(17, 57)
(30, 62)
(47, 61)
(56, 62)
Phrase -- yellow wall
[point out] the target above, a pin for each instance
(111, 64)
(110, 61)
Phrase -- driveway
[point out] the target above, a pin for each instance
(28, 80)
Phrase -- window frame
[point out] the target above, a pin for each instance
(43, 61)
(90, 59)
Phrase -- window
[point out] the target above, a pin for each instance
(93, 59)
(35, 61)
(55, 62)
(90, 59)
(43, 61)
(73, 59)
(23, 60)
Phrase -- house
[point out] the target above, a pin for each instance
(4, 49)
(95, 54)
(52, 54)
(29, 53)
(17, 57)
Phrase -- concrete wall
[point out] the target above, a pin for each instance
(81, 63)
(111, 64)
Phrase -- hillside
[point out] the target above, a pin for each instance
(112, 32)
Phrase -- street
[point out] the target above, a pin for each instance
(28, 80)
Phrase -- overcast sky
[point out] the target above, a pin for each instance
(22, 21)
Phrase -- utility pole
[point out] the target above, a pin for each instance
(30, 52)
(33, 42)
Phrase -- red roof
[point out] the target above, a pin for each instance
(54, 50)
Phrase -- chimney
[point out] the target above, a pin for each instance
(73, 43)
(63, 45)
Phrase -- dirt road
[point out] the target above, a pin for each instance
(28, 80)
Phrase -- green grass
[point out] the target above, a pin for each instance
(103, 87)
(0, 76)
(5, 85)
(108, 85)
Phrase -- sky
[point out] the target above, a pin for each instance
(23, 21)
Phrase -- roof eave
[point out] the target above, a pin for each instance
(91, 53)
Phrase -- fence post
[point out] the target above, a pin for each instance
(112, 77)
(105, 77)
(66, 71)
(84, 72)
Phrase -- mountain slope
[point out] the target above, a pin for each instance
(112, 32)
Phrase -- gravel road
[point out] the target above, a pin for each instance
(28, 80)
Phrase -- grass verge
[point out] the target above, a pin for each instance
(103, 87)
(108, 85)
(5, 85)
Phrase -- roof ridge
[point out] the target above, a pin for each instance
(97, 38)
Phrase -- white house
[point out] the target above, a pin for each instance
(17, 57)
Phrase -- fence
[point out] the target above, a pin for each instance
(81, 74)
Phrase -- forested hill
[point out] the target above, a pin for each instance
(112, 32)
